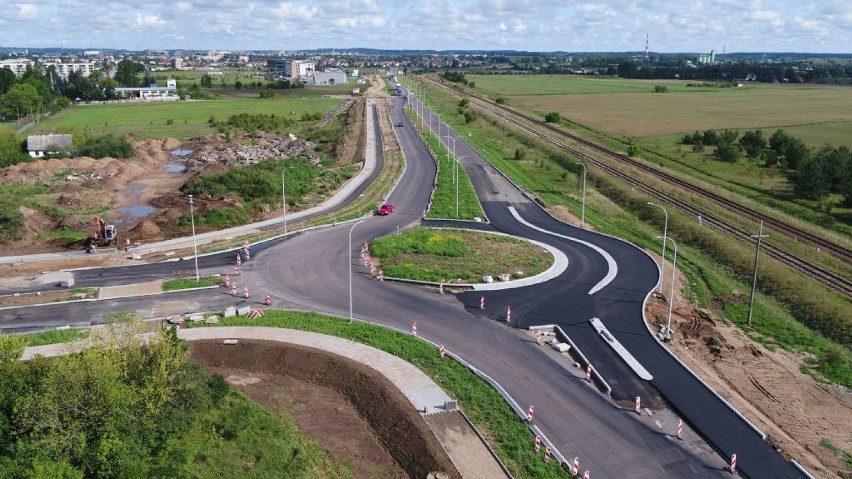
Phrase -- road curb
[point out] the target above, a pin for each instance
(578, 356)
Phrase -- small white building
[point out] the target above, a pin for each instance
(327, 78)
(40, 145)
(152, 93)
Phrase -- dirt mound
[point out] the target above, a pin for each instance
(395, 423)
(145, 230)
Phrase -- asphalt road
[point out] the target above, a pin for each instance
(310, 271)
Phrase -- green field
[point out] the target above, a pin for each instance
(619, 107)
(189, 118)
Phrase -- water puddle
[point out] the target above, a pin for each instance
(177, 160)
(136, 211)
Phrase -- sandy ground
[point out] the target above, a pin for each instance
(794, 410)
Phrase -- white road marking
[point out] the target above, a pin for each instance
(610, 261)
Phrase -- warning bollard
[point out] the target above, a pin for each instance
(441, 288)
(508, 314)
(268, 299)
(576, 465)
(546, 455)
(414, 329)
(227, 280)
(638, 405)
(589, 372)
(236, 271)
(482, 302)
(248, 255)
(537, 444)
(234, 289)
(538, 337)
(442, 351)
(530, 413)
(245, 292)
(239, 259)
(586, 475)
(733, 464)
(381, 275)
(679, 428)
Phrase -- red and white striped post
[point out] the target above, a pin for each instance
(372, 269)
(441, 287)
(245, 292)
(397, 229)
(234, 289)
(227, 280)
(236, 271)
(586, 475)
(530, 413)
(679, 428)
(538, 337)
(245, 245)
(576, 465)
(589, 372)
(414, 329)
(546, 455)
(442, 351)
(482, 302)
(239, 259)
(638, 405)
(537, 444)
(248, 254)
(508, 314)
(733, 463)
(381, 275)
(268, 299)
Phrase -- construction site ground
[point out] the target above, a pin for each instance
(767, 386)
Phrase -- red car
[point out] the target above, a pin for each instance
(385, 209)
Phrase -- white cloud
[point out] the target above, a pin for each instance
(599, 25)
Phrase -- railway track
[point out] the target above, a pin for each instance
(829, 279)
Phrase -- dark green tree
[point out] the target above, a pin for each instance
(727, 151)
(7, 79)
(206, 81)
(127, 73)
(753, 143)
(813, 178)
(553, 117)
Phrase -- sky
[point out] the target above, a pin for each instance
(534, 25)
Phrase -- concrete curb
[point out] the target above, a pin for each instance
(578, 356)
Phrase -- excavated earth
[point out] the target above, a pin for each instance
(357, 415)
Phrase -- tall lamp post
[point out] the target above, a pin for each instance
(759, 236)
(194, 244)
(583, 210)
(663, 255)
(348, 254)
(668, 332)
(284, 196)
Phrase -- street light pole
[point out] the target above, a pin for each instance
(284, 197)
(663, 255)
(668, 331)
(194, 244)
(583, 210)
(759, 236)
(349, 256)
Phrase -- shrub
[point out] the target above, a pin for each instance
(553, 117)
(104, 146)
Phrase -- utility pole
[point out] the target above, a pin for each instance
(759, 237)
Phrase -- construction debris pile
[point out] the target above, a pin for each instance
(249, 150)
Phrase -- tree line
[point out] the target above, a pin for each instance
(814, 173)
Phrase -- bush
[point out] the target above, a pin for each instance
(520, 153)
(661, 89)
(104, 146)
(633, 150)
(727, 151)
(553, 117)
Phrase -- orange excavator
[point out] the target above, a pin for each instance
(105, 235)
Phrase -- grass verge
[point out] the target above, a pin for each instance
(444, 204)
(509, 436)
(55, 336)
(427, 254)
(189, 283)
